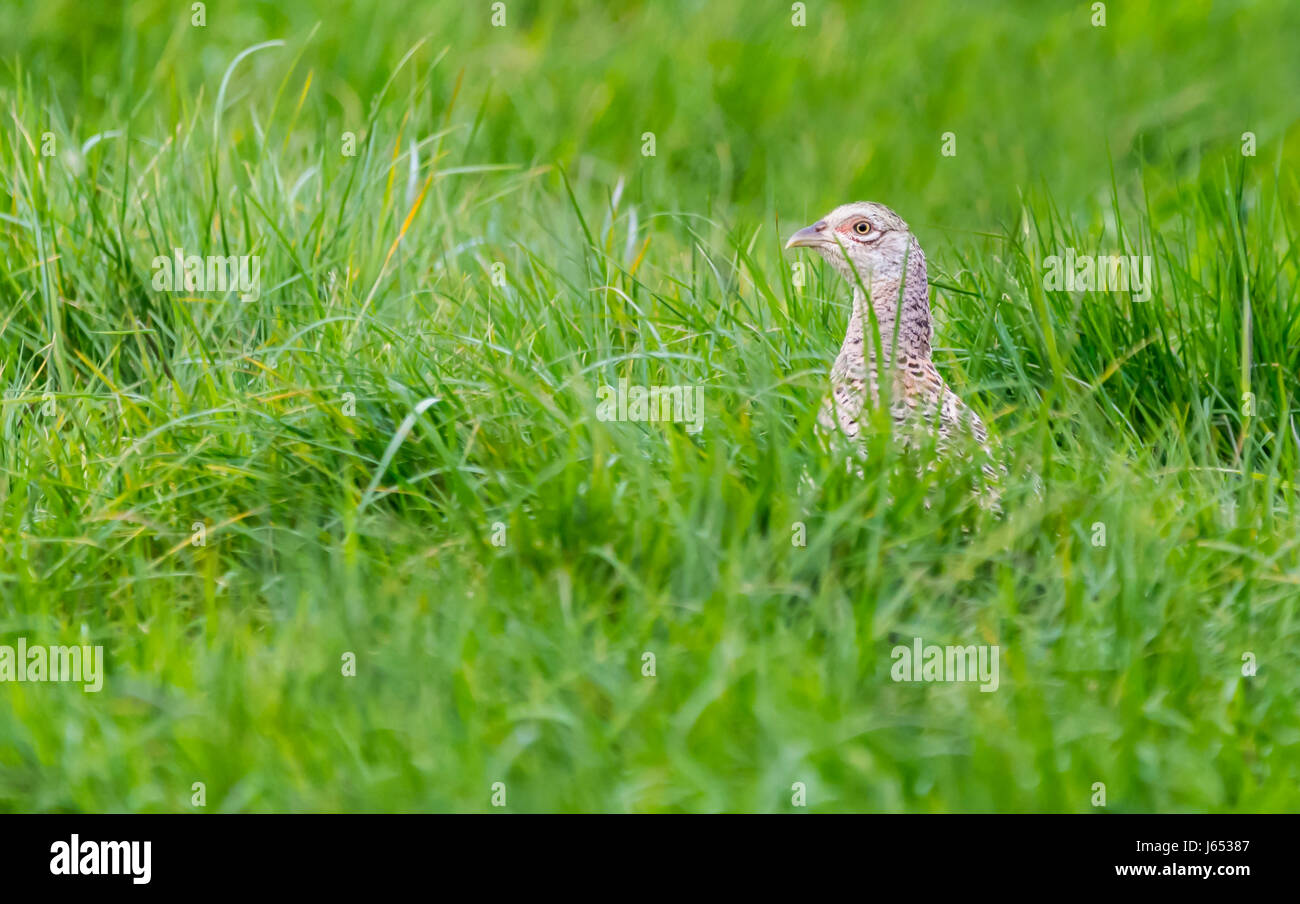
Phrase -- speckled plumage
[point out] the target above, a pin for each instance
(887, 261)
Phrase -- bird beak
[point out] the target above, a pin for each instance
(809, 236)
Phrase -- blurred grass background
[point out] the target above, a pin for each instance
(130, 414)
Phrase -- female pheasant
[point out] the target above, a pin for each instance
(872, 248)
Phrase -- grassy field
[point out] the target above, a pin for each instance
(390, 463)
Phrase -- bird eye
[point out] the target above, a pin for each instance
(861, 227)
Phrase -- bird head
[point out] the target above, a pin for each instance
(863, 236)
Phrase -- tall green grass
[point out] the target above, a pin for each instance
(417, 384)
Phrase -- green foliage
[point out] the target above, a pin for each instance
(131, 414)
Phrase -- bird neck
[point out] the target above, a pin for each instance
(902, 297)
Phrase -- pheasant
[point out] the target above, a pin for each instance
(871, 247)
